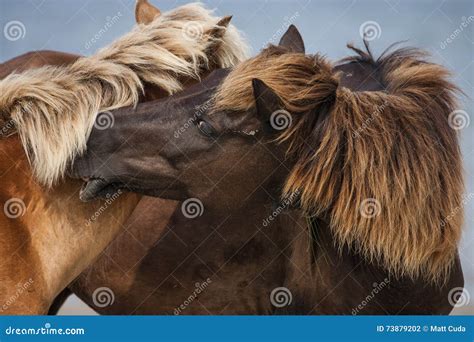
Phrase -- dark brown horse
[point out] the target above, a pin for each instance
(250, 162)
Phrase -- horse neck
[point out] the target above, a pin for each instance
(81, 232)
(243, 244)
(57, 236)
(35, 59)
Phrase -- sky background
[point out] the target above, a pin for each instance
(326, 26)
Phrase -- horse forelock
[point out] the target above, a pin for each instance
(384, 166)
(54, 108)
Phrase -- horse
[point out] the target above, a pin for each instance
(48, 236)
(333, 189)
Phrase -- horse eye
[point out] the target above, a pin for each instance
(206, 128)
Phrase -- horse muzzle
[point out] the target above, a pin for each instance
(97, 188)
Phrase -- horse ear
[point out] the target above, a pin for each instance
(292, 40)
(269, 106)
(218, 31)
(145, 12)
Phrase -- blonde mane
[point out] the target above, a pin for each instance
(383, 166)
(54, 108)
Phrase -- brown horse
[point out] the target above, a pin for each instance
(370, 216)
(48, 236)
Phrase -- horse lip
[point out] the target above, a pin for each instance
(92, 188)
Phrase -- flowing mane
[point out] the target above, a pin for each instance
(384, 167)
(54, 108)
